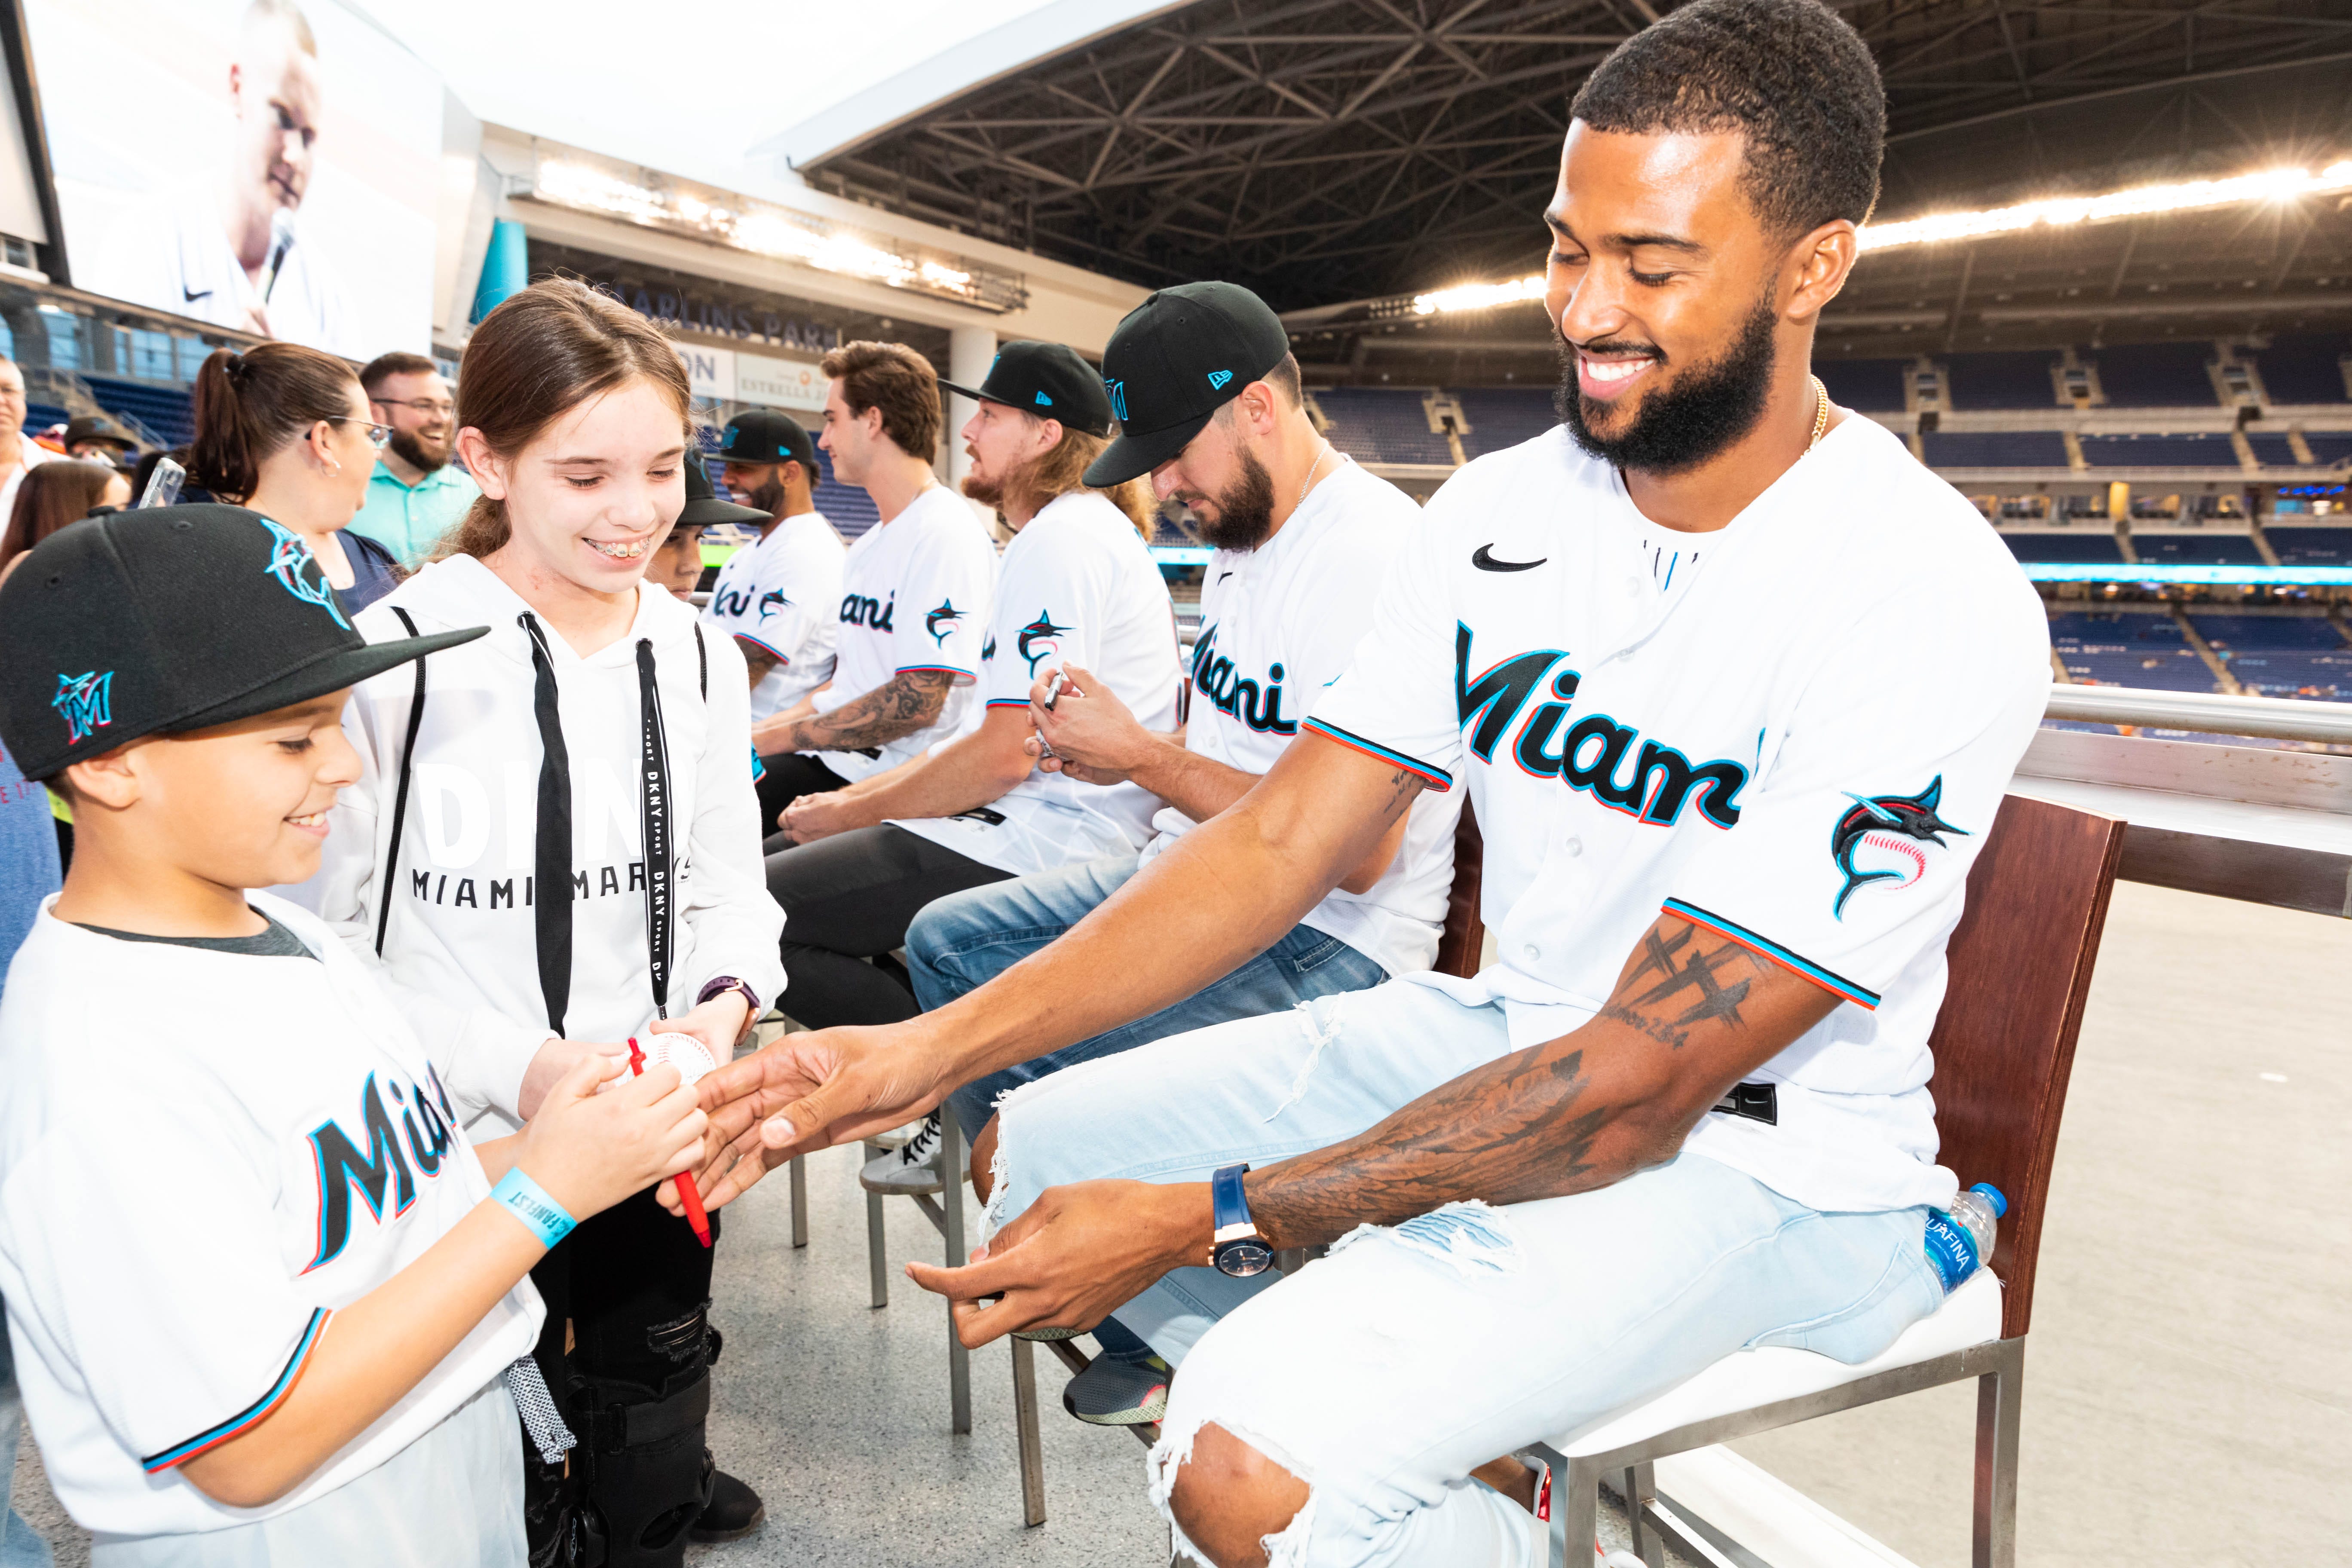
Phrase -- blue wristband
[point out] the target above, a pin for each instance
(528, 1202)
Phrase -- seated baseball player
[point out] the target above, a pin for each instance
(1736, 687)
(263, 1295)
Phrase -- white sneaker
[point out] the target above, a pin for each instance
(914, 1167)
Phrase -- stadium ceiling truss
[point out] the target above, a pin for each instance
(1335, 150)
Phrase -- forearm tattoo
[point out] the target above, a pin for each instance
(1677, 982)
(899, 706)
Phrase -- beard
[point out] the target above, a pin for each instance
(1688, 420)
(988, 491)
(413, 449)
(768, 498)
(1244, 507)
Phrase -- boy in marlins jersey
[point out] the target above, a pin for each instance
(263, 1297)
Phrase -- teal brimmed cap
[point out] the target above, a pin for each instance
(1178, 358)
(167, 619)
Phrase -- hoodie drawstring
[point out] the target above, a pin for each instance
(552, 848)
(653, 791)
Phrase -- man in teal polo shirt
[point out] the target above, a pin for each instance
(416, 494)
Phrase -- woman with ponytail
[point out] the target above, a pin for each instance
(286, 431)
(554, 848)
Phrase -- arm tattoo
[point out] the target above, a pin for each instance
(1692, 990)
(899, 706)
(758, 663)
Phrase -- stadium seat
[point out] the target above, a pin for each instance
(1865, 385)
(1994, 449)
(2203, 451)
(2197, 549)
(2330, 447)
(2119, 649)
(2273, 450)
(1376, 424)
(2304, 367)
(1504, 417)
(2156, 375)
(2282, 655)
(2019, 967)
(2087, 548)
(2001, 381)
(167, 411)
(846, 507)
(2300, 546)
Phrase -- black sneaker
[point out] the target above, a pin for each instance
(735, 1510)
(1118, 1393)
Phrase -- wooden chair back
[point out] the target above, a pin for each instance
(2019, 966)
(1465, 932)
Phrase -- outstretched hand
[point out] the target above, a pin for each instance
(1073, 1257)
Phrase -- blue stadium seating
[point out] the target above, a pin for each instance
(2211, 451)
(2282, 655)
(1373, 424)
(2273, 450)
(2312, 546)
(2197, 550)
(39, 416)
(1995, 449)
(2141, 650)
(2330, 446)
(1869, 385)
(846, 507)
(2156, 375)
(2001, 380)
(2088, 548)
(166, 410)
(1502, 417)
(2303, 367)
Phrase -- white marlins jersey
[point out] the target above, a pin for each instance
(915, 593)
(1793, 731)
(1277, 624)
(782, 596)
(1077, 586)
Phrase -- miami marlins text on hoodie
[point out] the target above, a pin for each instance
(461, 946)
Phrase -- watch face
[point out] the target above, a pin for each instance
(1244, 1257)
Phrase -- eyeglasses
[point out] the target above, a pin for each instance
(442, 406)
(377, 434)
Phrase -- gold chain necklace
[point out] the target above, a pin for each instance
(1821, 413)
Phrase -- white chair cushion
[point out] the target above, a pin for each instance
(1747, 1379)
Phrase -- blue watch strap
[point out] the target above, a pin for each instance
(1228, 1205)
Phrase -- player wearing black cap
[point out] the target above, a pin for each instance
(1077, 585)
(781, 598)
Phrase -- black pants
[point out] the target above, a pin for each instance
(789, 777)
(624, 1279)
(848, 899)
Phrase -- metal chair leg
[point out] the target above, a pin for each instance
(1994, 1544)
(1641, 1492)
(953, 1156)
(877, 1267)
(1025, 1423)
(1575, 1504)
(800, 1200)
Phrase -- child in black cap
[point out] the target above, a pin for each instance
(264, 1297)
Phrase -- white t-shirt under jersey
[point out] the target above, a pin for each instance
(1801, 745)
(783, 597)
(1076, 587)
(915, 593)
(1277, 624)
(185, 1204)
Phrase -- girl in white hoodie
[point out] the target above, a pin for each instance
(556, 842)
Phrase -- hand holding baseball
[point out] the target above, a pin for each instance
(1086, 732)
(589, 1151)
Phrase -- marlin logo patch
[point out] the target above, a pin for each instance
(1040, 631)
(1117, 391)
(1217, 379)
(298, 572)
(87, 701)
(941, 621)
(1899, 827)
(772, 601)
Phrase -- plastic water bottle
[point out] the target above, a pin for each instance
(1960, 1240)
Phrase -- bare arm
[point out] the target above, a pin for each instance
(1692, 1014)
(901, 705)
(969, 772)
(758, 660)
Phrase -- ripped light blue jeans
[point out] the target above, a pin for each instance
(1383, 1374)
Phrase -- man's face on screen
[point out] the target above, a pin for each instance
(274, 88)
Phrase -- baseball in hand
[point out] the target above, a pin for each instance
(689, 1056)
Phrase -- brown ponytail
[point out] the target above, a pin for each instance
(537, 357)
(250, 405)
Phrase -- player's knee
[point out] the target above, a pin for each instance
(1228, 1498)
(983, 1161)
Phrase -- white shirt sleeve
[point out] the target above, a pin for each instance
(763, 601)
(726, 904)
(1048, 611)
(172, 1301)
(941, 618)
(1847, 853)
(1395, 700)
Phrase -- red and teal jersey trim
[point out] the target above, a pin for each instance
(1008, 702)
(775, 653)
(253, 1413)
(1437, 779)
(935, 670)
(1828, 980)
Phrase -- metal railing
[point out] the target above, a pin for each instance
(2207, 713)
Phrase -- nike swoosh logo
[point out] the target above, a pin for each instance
(1223, 575)
(195, 294)
(1484, 558)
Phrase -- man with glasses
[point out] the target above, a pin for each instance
(417, 494)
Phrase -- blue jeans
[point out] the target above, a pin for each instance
(19, 1546)
(1416, 1352)
(966, 939)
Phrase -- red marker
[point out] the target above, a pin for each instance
(686, 1192)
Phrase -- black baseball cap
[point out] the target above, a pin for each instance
(1178, 358)
(764, 435)
(1047, 380)
(703, 506)
(166, 619)
(99, 428)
